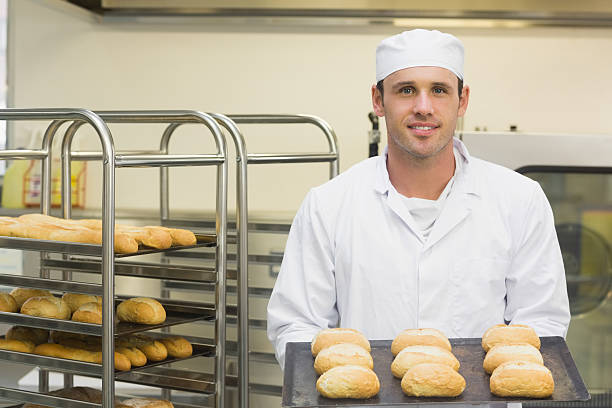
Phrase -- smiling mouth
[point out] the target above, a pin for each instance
(423, 127)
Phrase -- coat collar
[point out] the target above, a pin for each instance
(465, 182)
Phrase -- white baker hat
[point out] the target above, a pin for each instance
(419, 48)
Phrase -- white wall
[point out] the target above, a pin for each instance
(543, 80)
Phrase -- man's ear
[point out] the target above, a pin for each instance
(377, 102)
(463, 101)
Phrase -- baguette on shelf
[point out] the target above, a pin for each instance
(127, 238)
(23, 346)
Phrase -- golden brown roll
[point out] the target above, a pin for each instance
(89, 313)
(22, 294)
(153, 349)
(155, 237)
(141, 310)
(147, 403)
(181, 237)
(419, 337)
(46, 306)
(122, 363)
(432, 380)
(8, 303)
(23, 346)
(510, 352)
(137, 358)
(342, 354)
(522, 379)
(76, 300)
(348, 381)
(23, 333)
(510, 334)
(178, 347)
(329, 337)
(413, 355)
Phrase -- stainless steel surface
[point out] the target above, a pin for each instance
(242, 250)
(167, 160)
(52, 284)
(46, 400)
(353, 12)
(172, 378)
(56, 364)
(144, 270)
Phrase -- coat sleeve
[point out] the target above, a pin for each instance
(303, 300)
(536, 292)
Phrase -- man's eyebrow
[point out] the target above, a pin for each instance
(437, 83)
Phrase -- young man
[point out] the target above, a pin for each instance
(424, 235)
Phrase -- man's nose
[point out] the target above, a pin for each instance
(423, 104)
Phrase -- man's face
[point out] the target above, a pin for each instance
(421, 107)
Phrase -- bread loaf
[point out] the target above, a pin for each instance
(147, 403)
(39, 226)
(85, 394)
(419, 337)
(181, 237)
(122, 363)
(46, 306)
(342, 354)
(154, 237)
(89, 313)
(510, 334)
(432, 380)
(510, 352)
(153, 349)
(141, 310)
(23, 346)
(22, 294)
(76, 300)
(36, 336)
(137, 358)
(178, 347)
(522, 379)
(413, 355)
(329, 337)
(8, 303)
(348, 381)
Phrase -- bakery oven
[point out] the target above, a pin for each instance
(575, 172)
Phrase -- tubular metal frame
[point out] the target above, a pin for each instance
(110, 160)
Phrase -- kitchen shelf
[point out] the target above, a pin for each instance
(73, 248)
(137, 269)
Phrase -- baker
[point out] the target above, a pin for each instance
(424, 235)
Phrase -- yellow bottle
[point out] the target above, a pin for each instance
(13, 188)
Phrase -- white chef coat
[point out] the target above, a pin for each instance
(353, 259)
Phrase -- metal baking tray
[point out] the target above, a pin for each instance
(26, 244)
(177, 312)
(300, 377)
(91, 369)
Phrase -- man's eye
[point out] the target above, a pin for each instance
(406, 91)
(439, 90)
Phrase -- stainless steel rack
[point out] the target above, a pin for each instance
(102, 258)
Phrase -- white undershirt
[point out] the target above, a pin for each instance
(426, 212)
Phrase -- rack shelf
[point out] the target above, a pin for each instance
(72, 248)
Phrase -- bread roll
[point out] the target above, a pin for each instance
(122, 363)
(522, 379)
(342, 354)
(510, 334)
(46, 306)
(22, 294)
(36, 336)
(147, 403)
(181, 237)
(89, 313)
(77, 393)
(76, 300)
(178, 347)
(137, 358)
(141, 310)
(8, 303)
(510, 352)
(329, 337)
(432, 380)
(419, 337)
(348, 381)
(413, 355)
(23, 346)
(153, 349)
